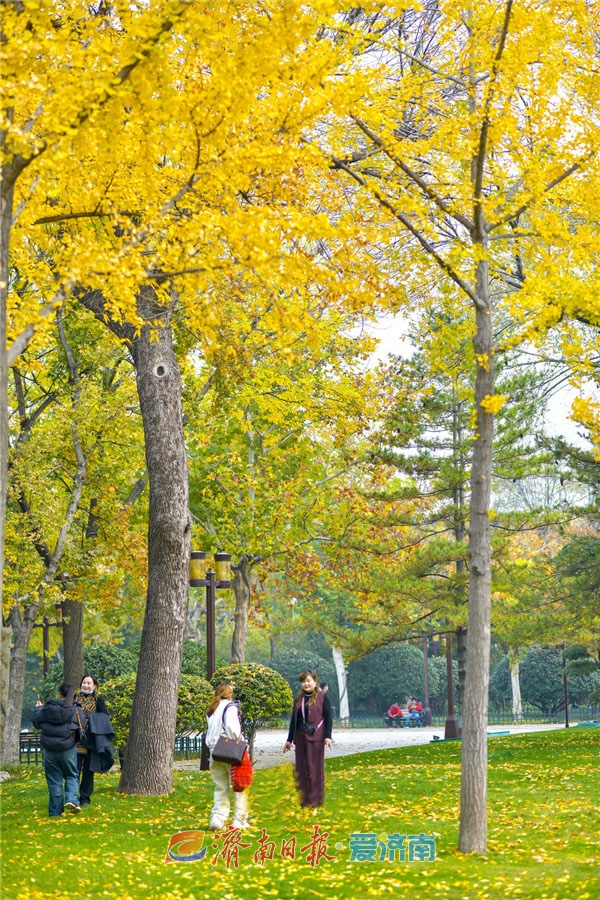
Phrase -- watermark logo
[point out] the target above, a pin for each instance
(186, 846)
(371, 847)
(363, 847)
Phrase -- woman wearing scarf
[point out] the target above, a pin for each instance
(90, 702)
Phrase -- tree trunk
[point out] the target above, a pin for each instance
(340, 668)
(242, 589)
(21, 631)
(461, 654)
(148, 765)
(473, 793)
(5, 636)
(193, 630)
(72, 635)
(517, 703)
(273, 645)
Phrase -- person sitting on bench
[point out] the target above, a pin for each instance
(414, 712)
(393, 716)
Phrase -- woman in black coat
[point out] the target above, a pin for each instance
(310, 732)
(90, 702)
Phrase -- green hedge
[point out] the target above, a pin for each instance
(263, 694)
(194, 696)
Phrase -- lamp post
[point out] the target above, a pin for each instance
(46, 625)
(220, 577)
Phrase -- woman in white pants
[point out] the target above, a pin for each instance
(226, 723)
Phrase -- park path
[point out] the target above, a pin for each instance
(268, 745)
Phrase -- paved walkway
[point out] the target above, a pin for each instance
(268, 745)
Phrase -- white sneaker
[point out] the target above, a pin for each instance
(216, 824)
(240, 823)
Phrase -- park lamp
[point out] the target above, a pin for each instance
(223, 569)
(199, 573)
(197, 568)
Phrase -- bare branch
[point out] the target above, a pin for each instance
(19, 345)
(421, 62)
(93, 214)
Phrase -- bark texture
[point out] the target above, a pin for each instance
(340, 668)
(242, 588)
(473, 794)
(8, 176)
(21, 627)
(148, 767)
(515, 682)
(73, 640)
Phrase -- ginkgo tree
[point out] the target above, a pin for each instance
(449, 138)
(163, 180)
(472, 129)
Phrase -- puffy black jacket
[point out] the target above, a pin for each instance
(58, 723)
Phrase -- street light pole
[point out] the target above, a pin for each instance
(46, 625)
(211, 585)
(220, 577)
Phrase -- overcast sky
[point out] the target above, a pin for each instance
(391, 331)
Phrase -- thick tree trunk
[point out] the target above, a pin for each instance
(21, 631)
(242, 588)
(72, 634)
(148, 765)
(515, 682)
(340, 668)
(473, 794)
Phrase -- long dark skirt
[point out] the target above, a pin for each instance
(310, 770)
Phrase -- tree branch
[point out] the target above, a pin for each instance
(551, 184)
(485, 126)
(427, 190)
(383, 201)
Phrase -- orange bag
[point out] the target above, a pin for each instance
(242, 774)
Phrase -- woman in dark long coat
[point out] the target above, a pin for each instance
(90, 702)
(310, 732)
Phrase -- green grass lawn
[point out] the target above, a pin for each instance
(544, 831)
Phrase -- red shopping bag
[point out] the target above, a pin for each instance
(242, 775)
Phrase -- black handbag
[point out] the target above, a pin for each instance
(227, 750)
